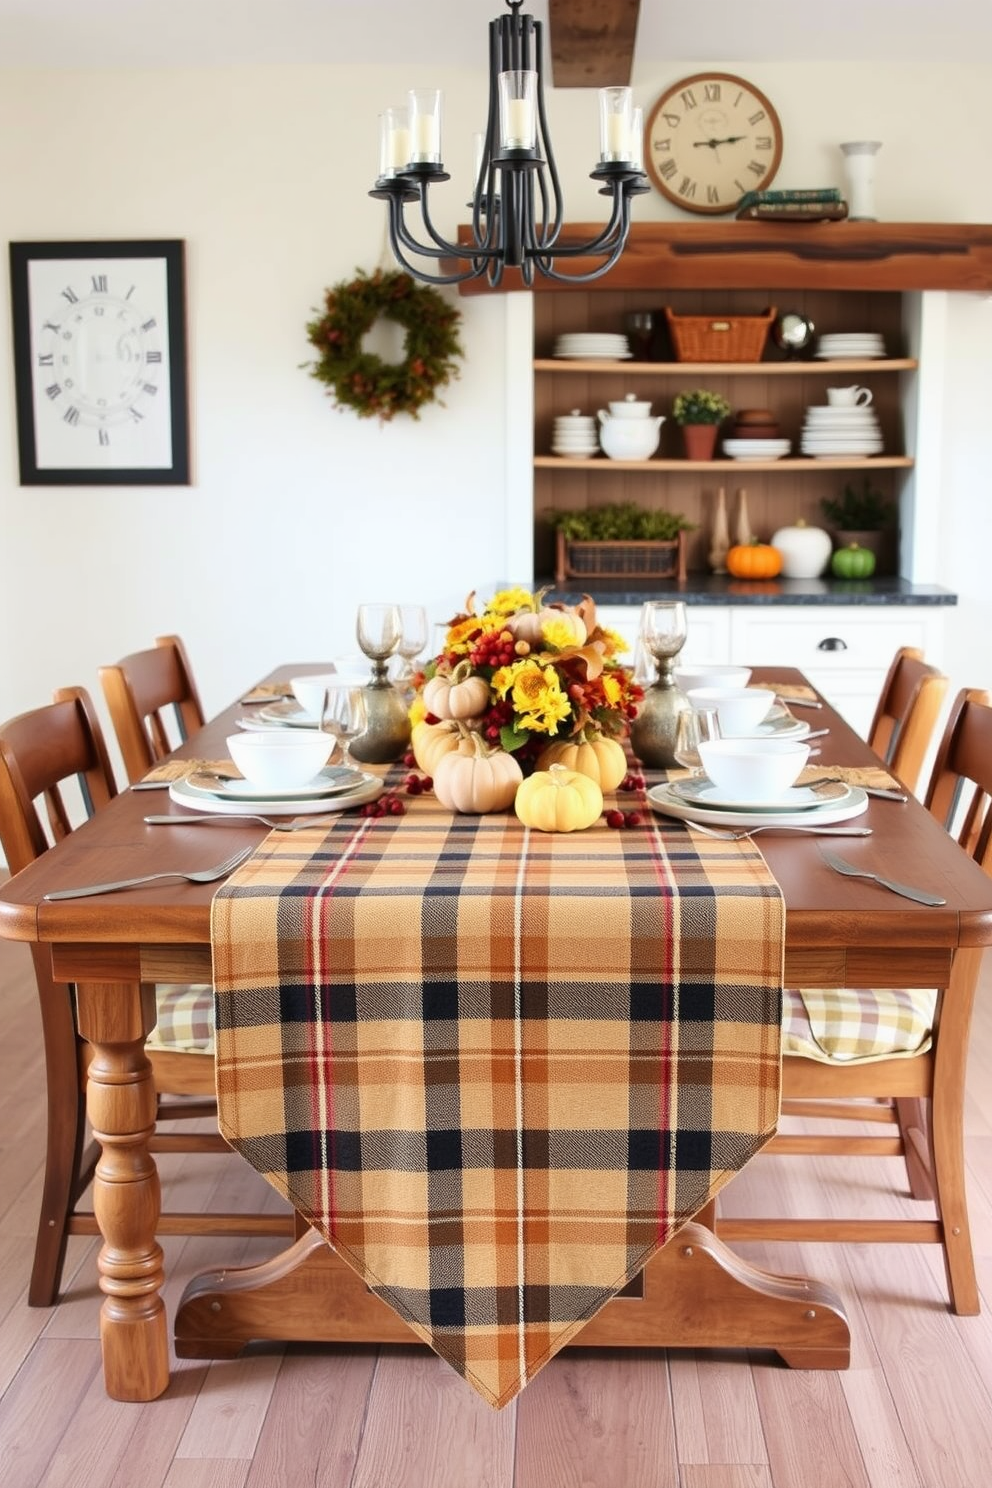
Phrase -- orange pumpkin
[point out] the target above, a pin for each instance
(755, 560)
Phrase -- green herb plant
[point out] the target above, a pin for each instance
(620, 522)
(859, 510)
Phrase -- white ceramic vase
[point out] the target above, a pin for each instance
(859, 159)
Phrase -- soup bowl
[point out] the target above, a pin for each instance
(740, 709)
(309, 691)
(279, 759)
(711, 674)
(753, 769)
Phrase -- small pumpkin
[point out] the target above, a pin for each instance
(430, 742)
(602, 759)
(528, 625)
(475, 779)
(458, 694)
(558, 800)
(853, 562)
(755, 560)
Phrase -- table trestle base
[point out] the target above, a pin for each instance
(308, 1294)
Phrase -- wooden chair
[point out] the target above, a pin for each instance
(906, 714)
(921, 1094)
(139, 690)
(41, 753)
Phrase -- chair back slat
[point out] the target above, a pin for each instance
(960, 787)
(40, 752)
(906, 714)
(144, 692)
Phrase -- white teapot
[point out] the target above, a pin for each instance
(628, 432)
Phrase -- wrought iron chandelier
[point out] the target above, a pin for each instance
(517, 209)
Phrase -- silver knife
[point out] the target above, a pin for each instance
(841, 865)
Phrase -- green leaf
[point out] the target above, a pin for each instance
(511, 738)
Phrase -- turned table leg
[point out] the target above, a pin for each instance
(115, 1019)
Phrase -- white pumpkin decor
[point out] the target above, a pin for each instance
(805, 550)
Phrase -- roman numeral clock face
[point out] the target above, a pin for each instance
(709, 139)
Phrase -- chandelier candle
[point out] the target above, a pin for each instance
(517, 208)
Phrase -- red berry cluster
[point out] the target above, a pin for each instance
(416, 785)
(388, 804)
(624, 818)
(495, 717)
(492, 648)
(631, 782)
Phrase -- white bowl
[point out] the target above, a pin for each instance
(711, 674)
(280, 758)
(753, 769)
(739, 709)
(309, 691)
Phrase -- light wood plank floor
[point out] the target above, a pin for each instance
(914, 1410)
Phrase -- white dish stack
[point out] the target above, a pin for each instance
(851, 346)
(575, 436)
(832, 433)
(593, 346)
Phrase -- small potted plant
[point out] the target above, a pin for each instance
(865, 517)
(699, 412)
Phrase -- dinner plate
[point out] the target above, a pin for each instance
(664, 800)
(332, 780)
(804, 798)
(779, 726)
(370, 789)
(287, 714)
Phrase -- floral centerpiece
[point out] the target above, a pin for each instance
(523, 675)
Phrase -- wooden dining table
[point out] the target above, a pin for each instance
(695, 1292)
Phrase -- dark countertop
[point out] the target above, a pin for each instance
(720, 589)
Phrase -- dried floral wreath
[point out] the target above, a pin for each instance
(359, 379)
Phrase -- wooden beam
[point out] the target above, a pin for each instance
(592, 42)
(772, 255)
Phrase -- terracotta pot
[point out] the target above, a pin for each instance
(700, 440)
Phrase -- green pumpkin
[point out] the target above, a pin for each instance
(853, 562)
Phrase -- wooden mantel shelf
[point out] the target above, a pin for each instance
(764, 255)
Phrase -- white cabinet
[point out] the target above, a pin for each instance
(844, 650)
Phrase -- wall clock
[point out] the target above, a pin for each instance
(100, 363)
(709, 139)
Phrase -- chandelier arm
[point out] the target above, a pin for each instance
(548, 236)
(544, 267)
(425, 278)
(617, 227)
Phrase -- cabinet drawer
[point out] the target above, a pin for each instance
(828, 640)
(707, 630)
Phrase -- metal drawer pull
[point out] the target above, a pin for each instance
(832, 643)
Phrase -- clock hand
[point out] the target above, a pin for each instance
(712, 144)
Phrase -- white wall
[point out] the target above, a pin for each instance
(297, 512)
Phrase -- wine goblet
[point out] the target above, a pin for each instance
(413, 639)
(693, 727)
(379, 630)
(346, 717)
(663, 629)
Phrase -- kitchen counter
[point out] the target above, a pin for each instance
(721, 589)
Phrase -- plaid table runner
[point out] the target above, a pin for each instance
(497, 1069)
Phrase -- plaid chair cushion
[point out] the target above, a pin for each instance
(185, 1019)
(847, 1025)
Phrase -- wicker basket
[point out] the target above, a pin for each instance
(619, 560)
(728, 338)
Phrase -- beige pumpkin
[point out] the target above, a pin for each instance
(475, 780)
(430, 742)
(458, 695)
(558, 800)
(603, 760)
(528, 625)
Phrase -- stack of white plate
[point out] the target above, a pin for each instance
(851, 346)
(756, 449)
(833, 433)
(593, 346)
(575, 436)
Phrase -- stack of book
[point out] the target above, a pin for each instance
(804, 204)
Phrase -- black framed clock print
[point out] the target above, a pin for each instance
(709, 139)
(100, 363)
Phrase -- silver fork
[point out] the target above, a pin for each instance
(285, 825)
(735, 834)
(200, 875)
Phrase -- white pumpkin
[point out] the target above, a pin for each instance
(805, 550)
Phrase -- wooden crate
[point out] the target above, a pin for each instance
(619, 560)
